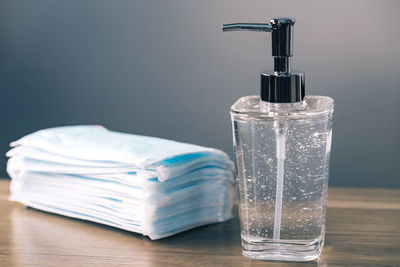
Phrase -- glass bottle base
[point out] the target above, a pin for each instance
(283, 250)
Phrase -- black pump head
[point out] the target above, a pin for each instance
(282, 85)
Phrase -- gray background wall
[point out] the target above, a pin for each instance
(164, 68)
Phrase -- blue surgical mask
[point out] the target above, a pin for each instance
(147, 185)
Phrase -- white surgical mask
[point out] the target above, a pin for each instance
(143, 184)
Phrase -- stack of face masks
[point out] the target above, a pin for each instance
(143, 184)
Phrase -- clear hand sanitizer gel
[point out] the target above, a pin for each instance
(282, 143)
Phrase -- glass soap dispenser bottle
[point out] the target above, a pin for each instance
(282, 142)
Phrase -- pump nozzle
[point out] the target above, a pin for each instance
(282, 33)
(256, 27)
(280, 85)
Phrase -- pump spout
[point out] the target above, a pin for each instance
(257, 27)
(281, 29)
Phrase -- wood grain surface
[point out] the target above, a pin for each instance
(363, 229)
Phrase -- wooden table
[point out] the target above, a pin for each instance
(363, 229)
